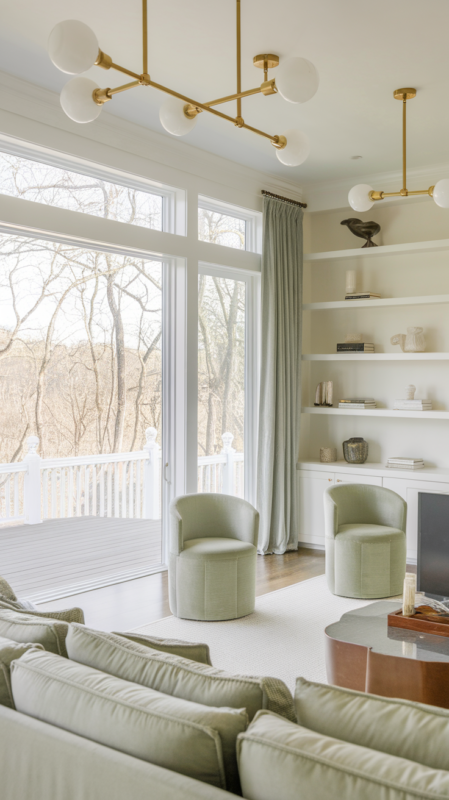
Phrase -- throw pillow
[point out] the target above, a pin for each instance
(9, 651)
(398, 727)
(26, 627)
(66, 615)
(175, 675)
(185, 737)
(6, 590)
(191, 650)
(279, 759)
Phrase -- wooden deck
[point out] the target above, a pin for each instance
(66, 556)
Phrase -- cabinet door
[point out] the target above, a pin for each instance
(408, 489)
(345, 477)
(311, 506)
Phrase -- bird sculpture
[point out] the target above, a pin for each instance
(365, 230)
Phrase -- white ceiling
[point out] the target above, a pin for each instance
(362, 52)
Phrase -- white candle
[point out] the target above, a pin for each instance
(350, 281)
(408, 600)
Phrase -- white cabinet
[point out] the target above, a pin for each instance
(311, 506)
(343, 477)
(312, 485)
(313, 482)
(409, 488)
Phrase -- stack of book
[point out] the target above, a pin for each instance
(412, 405)
(405, 463)
(355, 347)
(357, 402)
(361, 296)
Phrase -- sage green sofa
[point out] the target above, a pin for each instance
(212, 557)
(365, 540)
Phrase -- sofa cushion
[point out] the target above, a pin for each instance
(25, 627)
(66, 615)
(6, 590)
(279, 759)
(186, 737)
(398, 727)
(177, 676)
(9, 651)
(194, 651)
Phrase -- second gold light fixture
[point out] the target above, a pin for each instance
(73, 48)
(362, 197)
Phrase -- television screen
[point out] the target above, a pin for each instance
(433, 544)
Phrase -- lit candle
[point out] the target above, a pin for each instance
(408, 600)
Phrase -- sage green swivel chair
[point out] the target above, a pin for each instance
(212, 558)
(365, 540)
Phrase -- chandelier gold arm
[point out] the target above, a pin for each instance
(144, 37)
(403, 95)
(239, 63)
(192, 107)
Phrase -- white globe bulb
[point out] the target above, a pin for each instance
(297, 80)
(173, 119)
(441, 193)
(296, 150)
(359, 198)
(77, 101)
(72, 46)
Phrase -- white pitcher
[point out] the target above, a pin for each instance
(413, 342)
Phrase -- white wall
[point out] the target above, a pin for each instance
(396, 276)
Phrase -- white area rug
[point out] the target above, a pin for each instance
(284, 638)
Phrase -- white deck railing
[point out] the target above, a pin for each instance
(117, 485)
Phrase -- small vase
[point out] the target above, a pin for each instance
(355, 450)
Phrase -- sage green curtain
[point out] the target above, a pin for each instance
(280, 399)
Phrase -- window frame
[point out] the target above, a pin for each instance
(252, 219)
(174, 201)
(252, 366)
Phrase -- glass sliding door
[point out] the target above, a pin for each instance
(227, 373)
(81, 384)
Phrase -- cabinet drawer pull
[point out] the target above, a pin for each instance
(339, 481)
(330, 480)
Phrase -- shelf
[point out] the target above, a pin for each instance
(375, 357)
(378, 302)
(374, 412)
(378, 252)
(370, 468)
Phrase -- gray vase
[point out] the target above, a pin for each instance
(355, 450)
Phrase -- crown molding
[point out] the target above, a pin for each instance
(327, 195)
(22, 102)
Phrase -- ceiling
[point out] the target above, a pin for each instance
(362, 52)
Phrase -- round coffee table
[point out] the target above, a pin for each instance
(364, 653)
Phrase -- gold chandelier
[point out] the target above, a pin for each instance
(73, 48)
(362, 197)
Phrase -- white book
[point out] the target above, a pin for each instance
(413, 403)
(405, 466)
(357, 405)
(401, 460)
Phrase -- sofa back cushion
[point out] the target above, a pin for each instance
(279, 759)
(9, 651)
(195, 651)
(177, 676)
(398, 727)
(24, 627)
(185, 737)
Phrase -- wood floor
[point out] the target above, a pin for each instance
(127, 605)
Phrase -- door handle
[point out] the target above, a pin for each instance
(167, 473)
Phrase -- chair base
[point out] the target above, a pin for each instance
(214, 588)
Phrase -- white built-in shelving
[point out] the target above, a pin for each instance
(374, 412)
(408, 248)
(351, 356)
(380, 302)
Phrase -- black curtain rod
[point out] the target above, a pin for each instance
(284, 199)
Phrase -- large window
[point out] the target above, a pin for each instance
(229, 226)
(53, 186)
(227, 375)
